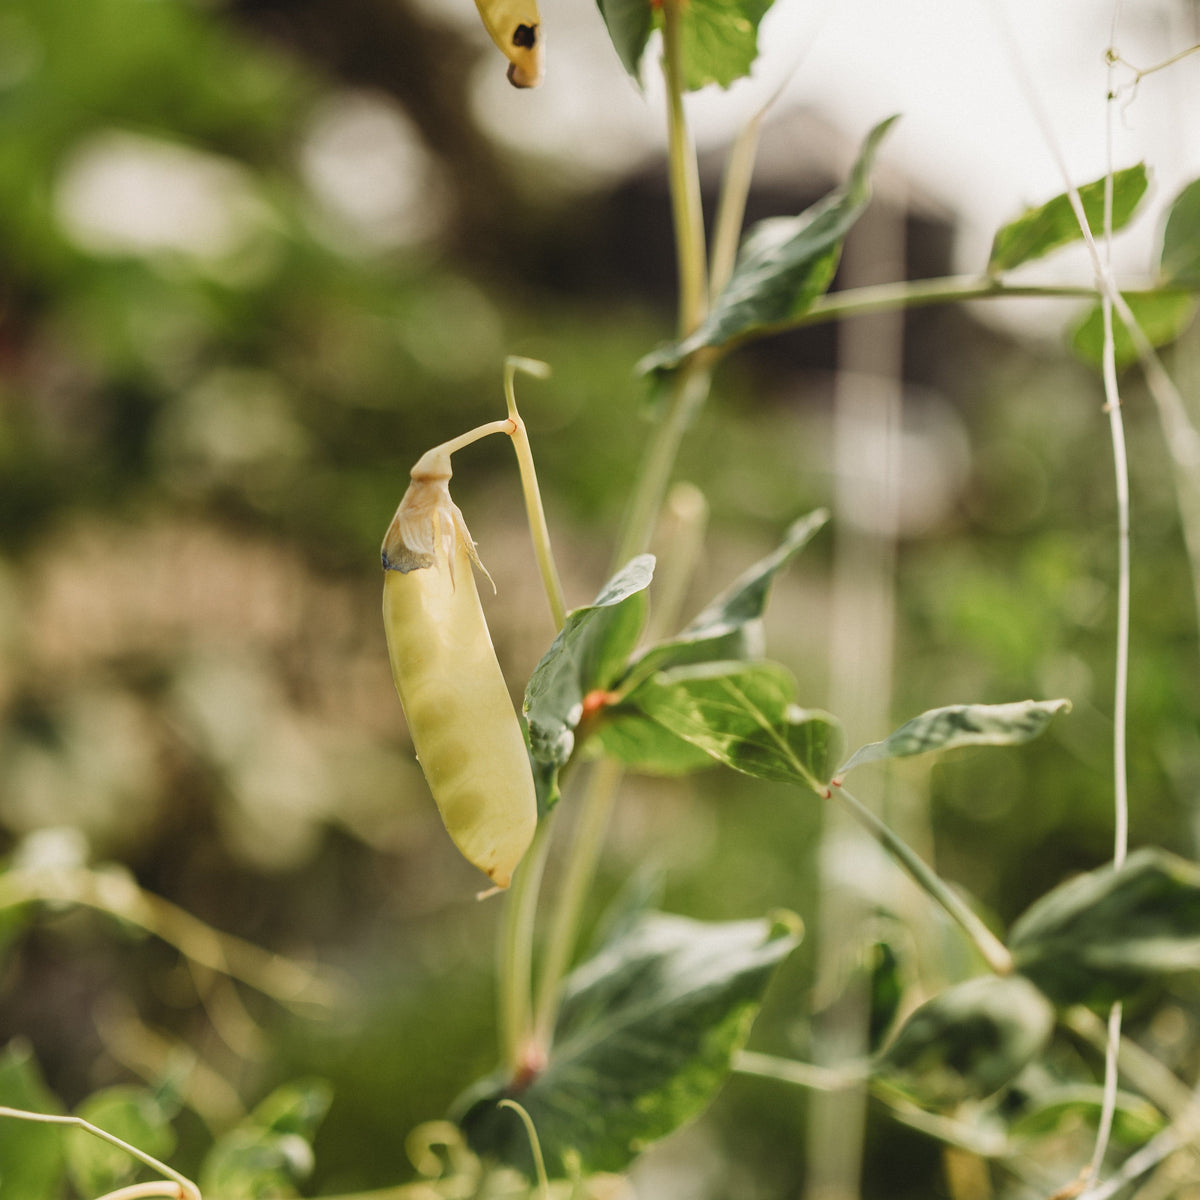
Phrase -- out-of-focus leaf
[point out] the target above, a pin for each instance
(134, 1114)
(1135, 1120)
(31, 1156)
(270, 1153)
(629, 24)
(729, 626)
(1180, 259)
(1101, 936)
(784, 264)
(643, 1043)
(1039, 230)
(1162, 316)
(588, 654)
(743, 715)
(969, 1040)
(961, 725)
(720, 40)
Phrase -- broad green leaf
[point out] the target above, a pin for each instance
(1053, 224)
(743, 715)
(31, 1156)
(1180, 260)
(720, 40)
(644, 745)
(961, 725)
(1101, 936)
(629, 24)
(969, 1040)
(1135, 1120)
(1162, 316)
(643, 1043)
(588, 654)
(729, 628)
(784, 264)
(270, 1153)
(134, 1114)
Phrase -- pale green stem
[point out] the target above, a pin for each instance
(535, 1146)
(577, 881)
(516, 955)
(287, 982)
(731, 208)
(685, 180)
(186, 1189)
(536, 514)
(992, 950)
(156, 1190)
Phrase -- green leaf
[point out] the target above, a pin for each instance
(134, 1114)
(784, 264)
(1162, 316)
(742, 715)
(961, 725)
(644, 1041)
(644, 745)
(1039, 230)
(1103, 935)
(629, 24)
(269, 1153)
(589, 653)
(970, 1040)
(729, 627)
(31, 1156)
(720, 40)
(1135, 1120)
(1180, 259)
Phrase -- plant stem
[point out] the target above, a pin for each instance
(992, 950)
(580, 872)
(535, 513)
(185, 1189)
(685, 180)
(516, 954)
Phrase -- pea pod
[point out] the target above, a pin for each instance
(460, 716)
(515, 27)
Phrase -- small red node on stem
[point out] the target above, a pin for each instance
(594, 701)
(532, 1062)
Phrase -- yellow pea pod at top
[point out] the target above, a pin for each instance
(515, 27)
(460, 716)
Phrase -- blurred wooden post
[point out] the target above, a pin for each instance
(866, 437)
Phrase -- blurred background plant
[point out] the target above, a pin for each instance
(256, 258)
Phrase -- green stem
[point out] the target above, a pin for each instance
(685, 180)
(516, 955)
(535, 513)
(689, 389)
(731, 208)
(993, 951)
(185, 1188)
(577, 882)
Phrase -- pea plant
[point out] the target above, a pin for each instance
(605, 1052)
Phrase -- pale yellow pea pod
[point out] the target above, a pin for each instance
(460, 716)
(515, 27)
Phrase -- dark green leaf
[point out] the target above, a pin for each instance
(589, 653)
(784, 264)
(1101, 936)
(1135, 1120)
(742, 715)
(1180, 261)
(629, 23)
(729, 627)
(1162, 316)
(720, 40)
(969, 1040)
(135, 1115)
(270, 1153)
(644, 1041)
(31, 1156)
(962, 725)
(1039, 230)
